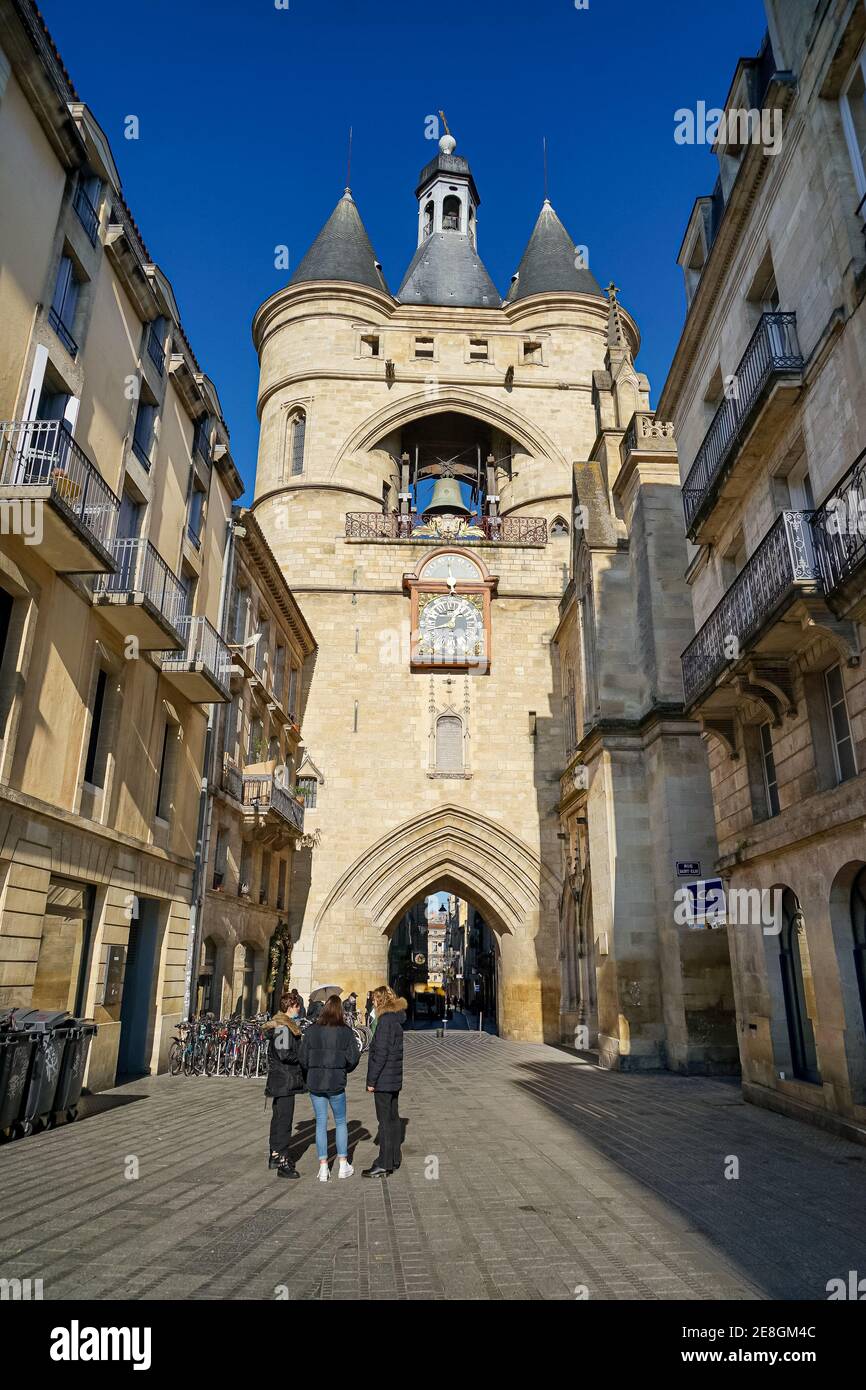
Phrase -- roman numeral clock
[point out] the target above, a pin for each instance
(450, 597)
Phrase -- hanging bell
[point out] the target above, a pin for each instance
(447, 497)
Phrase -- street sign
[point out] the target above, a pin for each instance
(688, 868)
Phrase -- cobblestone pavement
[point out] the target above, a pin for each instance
(553, 1175)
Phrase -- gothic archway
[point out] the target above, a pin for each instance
(479, 860)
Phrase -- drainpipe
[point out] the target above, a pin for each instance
(205, 803)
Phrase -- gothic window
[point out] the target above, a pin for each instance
(449, 743)
(297, 440)
(451, 214)
(798, 989)
(309, 789)
(559, 527)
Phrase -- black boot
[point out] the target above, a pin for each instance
(274, 1159)
(377, 1171)
(287, 1169)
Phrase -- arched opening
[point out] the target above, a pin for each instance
(428, 218)
(206, 1000)
(451, 213)
(848, 923)
(246, 980)
(559, 526)
(443, 958)
(450, 444)
(798, 990)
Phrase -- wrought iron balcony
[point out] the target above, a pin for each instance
(840, 540)
(783, 567)
(275, 814)
(87, 214)
(144, 599)
(773, 356)
(395, 526)
(42, 466)
(201, 670)
(155, 350)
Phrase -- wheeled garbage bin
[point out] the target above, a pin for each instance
(16, 1054)
(49, 1031)
(79, 1035)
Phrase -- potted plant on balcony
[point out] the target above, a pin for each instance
(64, 486)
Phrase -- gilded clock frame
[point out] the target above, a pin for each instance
(483, 588)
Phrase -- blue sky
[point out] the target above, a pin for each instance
(244, 111)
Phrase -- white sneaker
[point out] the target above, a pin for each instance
(346, 1169)
(324, 1174)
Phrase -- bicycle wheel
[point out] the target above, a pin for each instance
(175, 1058)
(211, 1056)
(189, 1059)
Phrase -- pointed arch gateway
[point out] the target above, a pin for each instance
(461, 851)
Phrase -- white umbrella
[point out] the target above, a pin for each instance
(324, 992)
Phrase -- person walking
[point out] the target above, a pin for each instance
(385, 1078)
(285, 1081)
(368, 1008)
(329, 1051)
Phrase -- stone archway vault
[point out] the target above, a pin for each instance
(492, 868)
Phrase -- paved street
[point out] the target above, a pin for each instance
(551, 1175)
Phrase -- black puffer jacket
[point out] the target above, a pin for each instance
(385, 1065)
(327, 1055)
(285, 1077)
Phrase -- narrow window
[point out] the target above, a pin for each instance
(64, 303)
(853, 107)
(265, 881)
(840, 728)
(92, 773)
(298, 431)
(195, 511)
(293, 694)
(798, 989)
(279, 672)
(451, 214)
(281, 885)
(220, 855)
(479, 350)
(200, 440)
(309, 789)
(167, 763)
(142, 438)
(369, 344)
(771, 781)
(424, 349)
(256, 744)
(531, 352)
(858, 923)
(246, 870)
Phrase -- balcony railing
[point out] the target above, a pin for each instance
(63, 332)
(232, 780)
(840, 528)
(204, 647)
(773, 350)
(784, 561)
(646, 432)
(395, 526)
(155, 350)
(142, 570)
(87, 214)
(263, 794)
(42, 454)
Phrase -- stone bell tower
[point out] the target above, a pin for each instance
(414, 480)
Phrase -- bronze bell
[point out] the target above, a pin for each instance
(447, 497)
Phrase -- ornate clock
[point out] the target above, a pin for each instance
(450, 613)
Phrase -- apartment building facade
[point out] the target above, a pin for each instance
(766, 395)
(262, 823)
(116, 489)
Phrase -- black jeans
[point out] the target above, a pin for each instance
(390, 1128)
(282, 1116)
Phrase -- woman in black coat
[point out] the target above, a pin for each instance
(285, 1080)
(329, 1051)
(385, 1078)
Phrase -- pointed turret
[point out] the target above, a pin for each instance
(342, 251)
(446, 268)
(551, 263)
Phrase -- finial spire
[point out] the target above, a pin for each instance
(544, 150)
(615, 330)
(447, 144)
(349, 164)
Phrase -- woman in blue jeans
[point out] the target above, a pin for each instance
(329, 1051)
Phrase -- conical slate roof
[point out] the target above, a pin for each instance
(342, 251)
(548, 263)
(446, 269)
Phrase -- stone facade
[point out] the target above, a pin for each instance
(113, 445)
(387, 395)
(766, 395)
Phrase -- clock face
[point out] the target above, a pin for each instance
(450, 567)
(450, 627)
